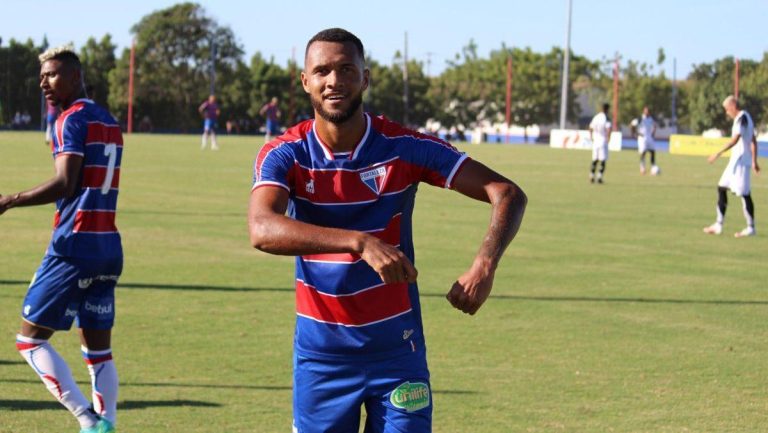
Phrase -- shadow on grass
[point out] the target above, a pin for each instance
(9, 362)
(200, 287)
(32, 405)
(188, 287)
(206, 385)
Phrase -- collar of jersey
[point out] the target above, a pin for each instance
(355, 151)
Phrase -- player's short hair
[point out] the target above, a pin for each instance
(606, 107)
(337, 35)
(65, 54)
(730, 99)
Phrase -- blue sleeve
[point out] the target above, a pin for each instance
(274, 166)
(437, 161)
(73, 135)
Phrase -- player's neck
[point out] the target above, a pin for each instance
(66, 104)
(341, 137)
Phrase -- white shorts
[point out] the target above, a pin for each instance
(736, 177)
(600, 152)
(644, 144)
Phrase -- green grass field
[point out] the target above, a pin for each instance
(611, 311)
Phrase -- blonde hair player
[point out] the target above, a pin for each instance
(79, 272)
(736, 176)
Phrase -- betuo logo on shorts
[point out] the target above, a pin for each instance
(410, 396)
(98, 308)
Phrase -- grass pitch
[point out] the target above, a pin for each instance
(611, 311)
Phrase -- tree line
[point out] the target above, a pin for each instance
(173, 49)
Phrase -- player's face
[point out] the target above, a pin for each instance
(60, 84)
(335, 78)
(730, 110)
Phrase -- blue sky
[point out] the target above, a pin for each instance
(689, 30)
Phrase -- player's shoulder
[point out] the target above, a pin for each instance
(295, 135)
(393, 130)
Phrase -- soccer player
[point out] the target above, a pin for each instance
(271, 111)
(599, 134)
(78, 274)
(209, 109)
(736, 176)
(348, 181)
(646, 141)
(52, 112)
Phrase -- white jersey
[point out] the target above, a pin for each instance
(743, 125)
(600, 126)
(645, 129)
(736, 175)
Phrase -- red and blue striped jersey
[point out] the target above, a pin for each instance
(343, 308)
(84, 224)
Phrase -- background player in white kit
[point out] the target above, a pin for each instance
(736, 175)
(646, 141)
(599, 134)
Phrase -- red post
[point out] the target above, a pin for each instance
(615, 122)
(130, 88)
(736, 80)
(509, 95)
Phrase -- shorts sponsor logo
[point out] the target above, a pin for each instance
(410, 396)
(98, 308)
(27, 308)
(70, 313)
(84, 283)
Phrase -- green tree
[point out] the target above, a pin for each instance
(754, 91)
(19, 80)
(385, 91)
(172, 68)
(710, 83)
(98, 59)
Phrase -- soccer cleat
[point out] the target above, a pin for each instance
(103, 426)
(749, 231)
(714, 229)
(591, 177)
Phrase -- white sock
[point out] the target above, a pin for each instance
(213, 141)
(104, 381)
(57, 377)
(202, 146)
(747, 216)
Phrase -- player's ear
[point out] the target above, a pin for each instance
(366, 78)
(304, 82)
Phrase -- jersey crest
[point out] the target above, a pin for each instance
(374, 178)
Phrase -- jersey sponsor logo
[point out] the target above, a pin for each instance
(410, 396)
(374, 178)
(98, 308)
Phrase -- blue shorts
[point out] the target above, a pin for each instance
(66, 288)
(327, 395)
(209, 124)
(273, 127)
